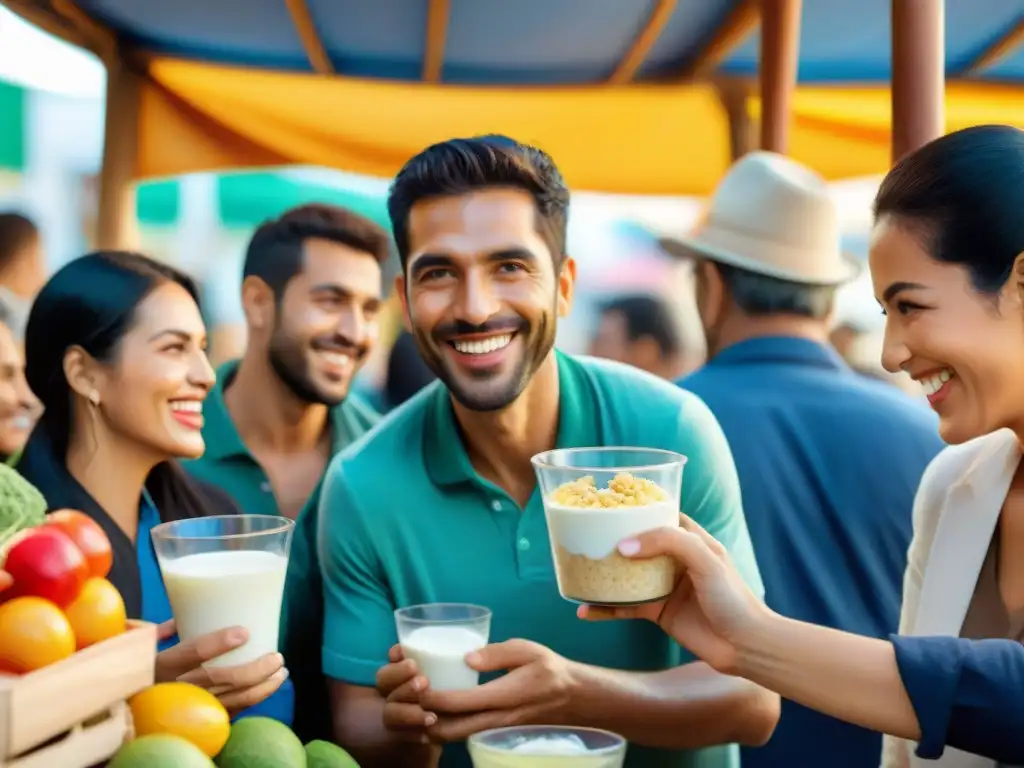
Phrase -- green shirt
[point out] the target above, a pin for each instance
(228, 464)
(412, 522)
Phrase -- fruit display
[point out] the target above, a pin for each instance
(160, 751)
(60, 601)
(170, 713)
(181, 709)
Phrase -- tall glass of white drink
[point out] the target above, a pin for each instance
(226, 571)
(546, 746)
(437, 636)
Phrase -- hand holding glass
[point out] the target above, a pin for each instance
(226, 571)
(437, 636)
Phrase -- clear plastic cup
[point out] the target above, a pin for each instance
(437, 636)
(596, 497)
(547, 746)
(224, 572)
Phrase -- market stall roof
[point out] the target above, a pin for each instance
(606, 85)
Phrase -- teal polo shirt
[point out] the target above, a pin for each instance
(412, 522)
(228, 464)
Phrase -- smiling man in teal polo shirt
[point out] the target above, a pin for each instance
(439, 503)
(311, 291)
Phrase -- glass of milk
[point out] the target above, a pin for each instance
(437, 636)
(596, 497)
(546, 746)
(226, 571)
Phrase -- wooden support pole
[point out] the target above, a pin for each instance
(734, 97)
(918, 74)
(117, 227)
(780, 54)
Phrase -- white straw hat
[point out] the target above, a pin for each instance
(772, 216)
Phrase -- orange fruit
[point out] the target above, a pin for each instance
(34, 633)
(97, 614)
(185, 710)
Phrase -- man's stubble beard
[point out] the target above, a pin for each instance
(291, 368)
(518, 381)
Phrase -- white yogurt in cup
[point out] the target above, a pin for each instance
(544, 746)
(596, 497)
(438, 636)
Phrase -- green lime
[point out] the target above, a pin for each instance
(261, 742)
(323, 754)
(160, 751)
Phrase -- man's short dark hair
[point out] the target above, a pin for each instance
(275, 251)
(759, 295)
(460, 166)
(647, 316)
(17, 232)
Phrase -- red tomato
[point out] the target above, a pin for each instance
(44, 562)
(88, 537)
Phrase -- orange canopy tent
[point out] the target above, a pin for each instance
(630, 96)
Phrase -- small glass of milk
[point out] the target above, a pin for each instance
(546, 746)
(226, 571)
(437, 636)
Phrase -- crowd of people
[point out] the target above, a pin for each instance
(837, 560)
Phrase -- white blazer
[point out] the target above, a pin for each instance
(955, 514)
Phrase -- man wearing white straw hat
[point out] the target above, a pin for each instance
(828, 460)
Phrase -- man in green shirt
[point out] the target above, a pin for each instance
(311, 292)
(439, 504)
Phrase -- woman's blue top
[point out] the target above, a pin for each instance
(156, 608)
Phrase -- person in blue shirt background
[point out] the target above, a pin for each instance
(114, 345)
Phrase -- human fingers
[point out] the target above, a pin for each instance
(391, 676)
(395, 653)
(687, 548)
(236, 678)
(409, 691)
(407, 718)
(186, 657)
(603, 613)
(692, 526)
(235, 701)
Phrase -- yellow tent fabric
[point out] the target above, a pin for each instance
(846, 132)
(666, 139)
(635, 139)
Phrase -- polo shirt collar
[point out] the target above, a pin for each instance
(579, 425)
(781, 349)
(222, 438)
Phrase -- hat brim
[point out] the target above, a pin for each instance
(848, 267)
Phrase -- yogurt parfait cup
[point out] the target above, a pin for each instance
(546, 746)
(596, 497)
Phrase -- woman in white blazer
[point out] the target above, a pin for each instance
(947, 263)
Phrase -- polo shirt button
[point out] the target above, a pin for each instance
(524, 544)
(496, 505)
(265, 486)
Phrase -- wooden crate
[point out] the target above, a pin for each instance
(80, 699)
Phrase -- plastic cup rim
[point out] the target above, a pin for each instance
(541, 460)
(476, 740)
(484, 614)
(161, 531)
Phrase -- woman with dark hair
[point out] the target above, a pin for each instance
(947, 252)
(115, 352)
(947, 265)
